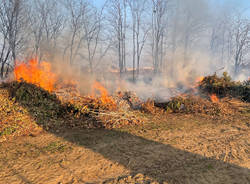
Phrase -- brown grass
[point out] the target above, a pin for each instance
(167, 147)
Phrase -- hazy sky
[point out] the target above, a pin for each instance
(245, 4)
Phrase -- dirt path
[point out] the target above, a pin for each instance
(186, 149)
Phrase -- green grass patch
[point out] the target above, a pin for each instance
(8, 131)
(54, 147)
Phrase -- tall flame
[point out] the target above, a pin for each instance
(36, 73)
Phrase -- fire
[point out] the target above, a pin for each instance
(105, 98)
(36, 73)
(196, 82)
(199, 79)
(214, 98)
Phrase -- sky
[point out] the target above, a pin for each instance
(245, 4)
(99, 2)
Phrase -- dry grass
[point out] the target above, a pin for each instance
(180, 147)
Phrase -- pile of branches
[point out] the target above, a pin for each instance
(224, 86)
(36, 99)
(210, 85)
(44, 107)
(105, 115)
(52, 112)
(186, 104)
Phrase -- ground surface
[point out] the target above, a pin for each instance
(172, 148)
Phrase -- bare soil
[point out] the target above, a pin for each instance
(175, 149)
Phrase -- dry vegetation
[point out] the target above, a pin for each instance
(224, 86)
(83, 139)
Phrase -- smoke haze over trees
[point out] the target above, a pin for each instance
(169, 36)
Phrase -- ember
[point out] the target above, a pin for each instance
(214, 98)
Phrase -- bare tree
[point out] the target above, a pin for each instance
(76, 13)
(85, 23)
(117, 19)
(159, 25)
(11, 26)
(140, 30)
(46, 24)
(83, 32)
(175, 27)
(92, 26)
(239, 41)
(194, 24)
(218, 39)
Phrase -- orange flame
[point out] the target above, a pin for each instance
(197, 82)
(214, 98)
(199, 79)
(36, 73)
(105, 98)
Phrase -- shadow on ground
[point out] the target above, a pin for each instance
(161, 162)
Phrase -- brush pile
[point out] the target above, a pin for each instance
(210, 99)
(44, 108)
(51, 111)
(23, 103)
(224, 86)
(106, 114)
(187, 104)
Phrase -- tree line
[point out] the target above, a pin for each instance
(124, 33)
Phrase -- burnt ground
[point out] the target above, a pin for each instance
(171, 148)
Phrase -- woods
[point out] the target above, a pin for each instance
(125, 34)
(124, 91)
